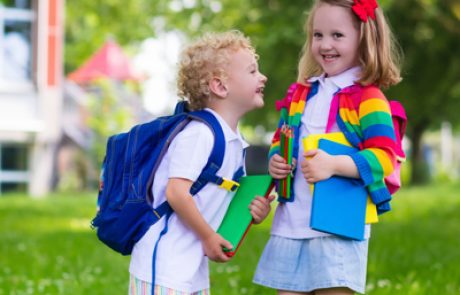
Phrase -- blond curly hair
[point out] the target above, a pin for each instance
(379, 54)
(204, 59)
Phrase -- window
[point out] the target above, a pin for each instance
(26, 4)
(16, 19)
(14, 174)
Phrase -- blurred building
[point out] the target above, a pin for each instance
(76, 167)
(31, 50)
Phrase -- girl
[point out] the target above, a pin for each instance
(349, 53)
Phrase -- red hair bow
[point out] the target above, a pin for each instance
(364, 9)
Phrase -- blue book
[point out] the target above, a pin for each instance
(339, 203)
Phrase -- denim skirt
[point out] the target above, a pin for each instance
(305, 265)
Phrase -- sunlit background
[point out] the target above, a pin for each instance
(74, 72)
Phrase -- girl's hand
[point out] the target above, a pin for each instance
(260, 207)
(213, 247)
(317, 165)
(278, 168)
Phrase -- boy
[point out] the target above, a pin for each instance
(220, 73)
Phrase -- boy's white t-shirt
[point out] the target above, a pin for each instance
(180, 262)
(292, 219)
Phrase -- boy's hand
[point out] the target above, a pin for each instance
(260, 207)
(278, 168)
(317, 165)
(213, 248)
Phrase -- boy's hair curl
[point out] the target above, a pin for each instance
(204, 59)
(379, 54)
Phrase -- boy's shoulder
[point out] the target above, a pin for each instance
(196, 135)
(198, 129)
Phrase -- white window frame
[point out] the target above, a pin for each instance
(12, 176)
(15, 14)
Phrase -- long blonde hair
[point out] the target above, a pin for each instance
(379, 55)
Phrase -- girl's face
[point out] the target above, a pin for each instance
(335, 39)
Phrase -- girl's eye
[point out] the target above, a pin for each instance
(317, 35)
(337, 35)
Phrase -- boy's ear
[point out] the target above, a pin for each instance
(217, 86)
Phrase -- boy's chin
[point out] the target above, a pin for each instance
(259, 102)
(258, 105)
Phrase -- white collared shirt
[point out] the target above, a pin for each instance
(180, 262)
(292, 220)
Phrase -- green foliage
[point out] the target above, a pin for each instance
(429, 33)
(48, 247)
(107, 116)
(89, 23)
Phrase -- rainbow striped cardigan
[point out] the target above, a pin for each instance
(363, 114)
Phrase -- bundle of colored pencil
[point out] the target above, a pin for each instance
(286, 138)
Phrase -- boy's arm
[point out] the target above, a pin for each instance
(260, 207)
(180, 200)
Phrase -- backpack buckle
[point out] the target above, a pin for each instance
(229, 184)
(156, 214)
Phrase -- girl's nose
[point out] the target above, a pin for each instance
(325, 44)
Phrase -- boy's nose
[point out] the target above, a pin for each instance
(263, 78)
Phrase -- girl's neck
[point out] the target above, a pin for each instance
(354, 69)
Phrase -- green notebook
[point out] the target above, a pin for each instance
(238, 219)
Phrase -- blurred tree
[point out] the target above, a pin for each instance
(429, 33)
(90, 22)
(107, 116)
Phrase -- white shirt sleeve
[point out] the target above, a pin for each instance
(190, 150)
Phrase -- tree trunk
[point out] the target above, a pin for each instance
(419, 165)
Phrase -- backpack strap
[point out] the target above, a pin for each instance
(209, 173)
(399, 118)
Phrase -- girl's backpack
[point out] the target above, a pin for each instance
(132, 158)
(398, 115)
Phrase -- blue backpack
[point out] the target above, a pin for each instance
(128, 172)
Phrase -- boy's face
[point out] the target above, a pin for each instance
(335, 42)
(245, 84)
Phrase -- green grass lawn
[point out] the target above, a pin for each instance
(47, 247)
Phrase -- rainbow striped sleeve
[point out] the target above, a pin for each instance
(291, 108)
(377, 158)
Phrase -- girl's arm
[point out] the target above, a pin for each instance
(377, 158)
(180, 200)
(318, 165)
